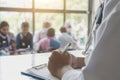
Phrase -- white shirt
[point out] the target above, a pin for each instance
(64, 39)
(38, 36)
(103, 61)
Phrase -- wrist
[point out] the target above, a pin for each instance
(64, 70)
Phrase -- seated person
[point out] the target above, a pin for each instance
(49, 43)
(65, 38)
(24, 39)
(69, 30)
(42, 33)
(5, 38)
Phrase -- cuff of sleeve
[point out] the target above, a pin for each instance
(66, 68)
(71, 75)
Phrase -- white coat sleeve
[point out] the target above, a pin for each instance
(73, 75)
(103, 63)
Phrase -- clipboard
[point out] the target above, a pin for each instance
(39, 72)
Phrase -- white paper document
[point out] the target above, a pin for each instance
(42, 72)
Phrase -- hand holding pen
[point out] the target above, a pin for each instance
(58, 60)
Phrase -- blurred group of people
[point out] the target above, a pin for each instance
(11, 45)
(43, 41)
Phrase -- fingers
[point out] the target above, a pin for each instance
(59, 59)
(52, 69)
(58, 53)
(78, 63)
(55, 56)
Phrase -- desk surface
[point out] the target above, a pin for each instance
(11, 66)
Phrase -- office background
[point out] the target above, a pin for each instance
(77, 12)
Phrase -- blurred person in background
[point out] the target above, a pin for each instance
(70, 30)
(42, 33)
(65, 38)
(24, 39)
(48, 43)
(5, 38)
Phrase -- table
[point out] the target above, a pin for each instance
(11, 66)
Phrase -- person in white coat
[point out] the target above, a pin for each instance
(103, 60)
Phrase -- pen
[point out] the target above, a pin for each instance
(66, 48)
(40, 66)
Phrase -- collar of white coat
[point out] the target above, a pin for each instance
(108, 7)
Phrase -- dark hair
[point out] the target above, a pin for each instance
(51, 32)
(3, 24)
(25, 24)
(63, 29)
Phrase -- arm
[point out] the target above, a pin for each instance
(18, 41)
(36, 38)
(103, 62)
(105, 56)
(31, 42)
(37, 48)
